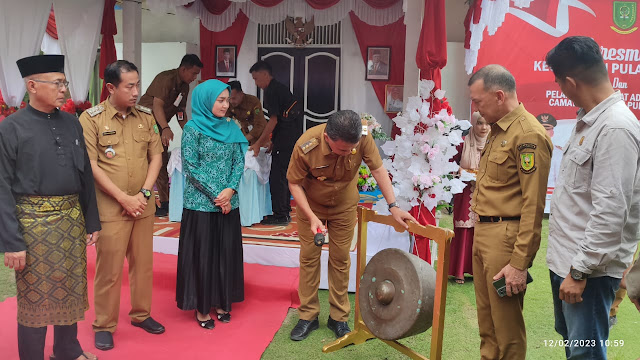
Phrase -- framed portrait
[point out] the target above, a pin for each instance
(378, 63)
(393, 98)
(226, 61)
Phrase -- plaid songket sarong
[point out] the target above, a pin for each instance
(52, 288)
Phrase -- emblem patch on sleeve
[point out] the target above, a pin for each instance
(257, 111)
(155, 129)
(527, 163)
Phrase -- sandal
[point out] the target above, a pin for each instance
(84, 354)
(225, 318)
(459, 281)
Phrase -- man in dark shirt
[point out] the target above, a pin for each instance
(48, 212)
(285, 122)
(167, 97)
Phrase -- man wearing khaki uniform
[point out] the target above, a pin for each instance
(323, 180)
(509, 200)
(166, 96)
(247, 109)
(126, 154)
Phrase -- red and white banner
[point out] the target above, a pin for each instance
(527, 34)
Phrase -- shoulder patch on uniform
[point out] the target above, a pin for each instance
(95, 110)
(527, 146)
(257, 111)
(144, 109)
(309, 145)
(527, 162)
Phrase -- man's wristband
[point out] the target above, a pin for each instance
(164, 128)
(392, 205)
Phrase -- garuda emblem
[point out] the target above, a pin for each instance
(300, 31)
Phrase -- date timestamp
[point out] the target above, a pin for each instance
(583, 343)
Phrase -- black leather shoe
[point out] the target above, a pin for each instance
(163, 209)
(340, 328)
(104, 340)
(303, 328)
(275, 221)
(149, 325)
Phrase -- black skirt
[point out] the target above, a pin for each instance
(210, 267)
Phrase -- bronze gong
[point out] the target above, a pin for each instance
(397, 293)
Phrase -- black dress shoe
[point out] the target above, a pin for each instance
(206, 324)
(104, 340)
(149, 325)
(275, 220)
(163, 209)
(340, 328)
(303, 329)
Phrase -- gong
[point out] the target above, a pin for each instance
(396, 294)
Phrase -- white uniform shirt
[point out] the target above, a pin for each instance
(595, 208)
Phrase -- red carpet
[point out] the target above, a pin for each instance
(269, 292)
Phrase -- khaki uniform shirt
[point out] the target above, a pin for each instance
(167, 86)
(512, 179)
(330, 181)
(249, 113)
(134, 139)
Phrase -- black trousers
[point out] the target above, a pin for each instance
(280, 194)
(65, 342)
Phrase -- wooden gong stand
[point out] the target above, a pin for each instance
(361, 333)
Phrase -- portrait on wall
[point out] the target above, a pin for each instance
(393, 98)
(226, 61)
(378, 63)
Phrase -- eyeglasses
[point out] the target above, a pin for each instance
(57, 83)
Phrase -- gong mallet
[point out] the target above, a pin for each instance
(319, 238)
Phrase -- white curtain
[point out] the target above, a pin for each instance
(79, 23)
(22, 26)
(275, 14)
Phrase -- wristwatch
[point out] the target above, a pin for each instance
(146, 193)
(577, 274)
(393, 204)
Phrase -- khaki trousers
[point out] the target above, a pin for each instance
(500, 320)
(133, 239)
(162, 182)
(340, 228)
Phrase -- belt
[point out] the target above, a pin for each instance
(484, 219)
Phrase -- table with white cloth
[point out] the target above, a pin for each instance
(253, 192)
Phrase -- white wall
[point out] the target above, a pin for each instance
(454, 81)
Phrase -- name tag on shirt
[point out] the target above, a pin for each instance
(322, 167)
(112, 132)
(178, 100)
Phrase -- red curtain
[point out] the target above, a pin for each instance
(52, 29)
(233, 35)
(381, 4)
(431, 55)
(266, 3)
(322, 4)
(393, 36)
(107, 47)
(216, 7)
